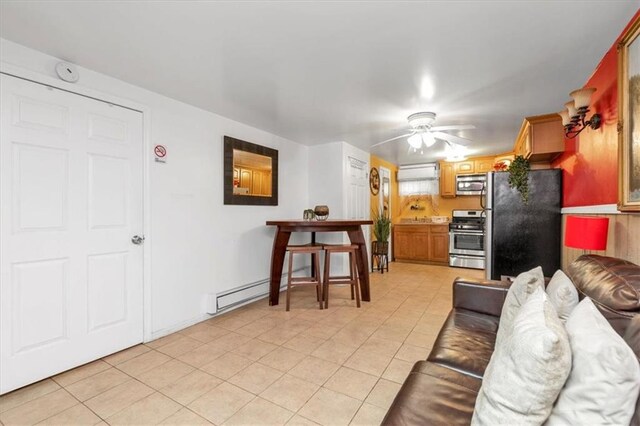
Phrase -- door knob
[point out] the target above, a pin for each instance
(137, 240)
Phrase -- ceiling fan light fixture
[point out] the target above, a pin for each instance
(428, 139)
(422, 119)
(415, 141)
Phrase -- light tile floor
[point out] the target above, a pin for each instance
(259, 364)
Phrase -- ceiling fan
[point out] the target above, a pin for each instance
(423, 132)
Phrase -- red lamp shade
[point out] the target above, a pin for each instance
(587, 233)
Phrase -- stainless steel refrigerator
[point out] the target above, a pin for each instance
(519, 237)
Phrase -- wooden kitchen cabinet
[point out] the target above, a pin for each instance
(483, 164)
(411, 242)
(449, 170)
(504, 158)
(421, 243)
(246, 177)
(402, 244)
(463, 167)
(439, 248)
(256, 182)
(261, 183)
(447, 179)
(541, 138)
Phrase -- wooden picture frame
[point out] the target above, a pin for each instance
(629, 119)
(374, 181)
(231, 144)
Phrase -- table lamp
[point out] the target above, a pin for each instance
(586, 232)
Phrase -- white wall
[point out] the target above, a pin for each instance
(197, 244)
(326, 177)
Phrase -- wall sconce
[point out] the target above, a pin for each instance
(573, 118)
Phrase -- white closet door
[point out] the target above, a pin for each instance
(358, 189)
(71, 200)
(357, 196)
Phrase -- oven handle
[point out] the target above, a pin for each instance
(467, 233)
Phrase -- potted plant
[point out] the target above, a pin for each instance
(519, 177)
(381, 231)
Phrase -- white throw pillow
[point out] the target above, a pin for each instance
(563, 294)
(525, 374)
(523, 286)
(604, 381)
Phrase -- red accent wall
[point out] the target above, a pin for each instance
(590, 161)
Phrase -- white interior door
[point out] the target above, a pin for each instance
(357, 196)
(71, 199)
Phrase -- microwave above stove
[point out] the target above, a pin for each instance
(470, 184)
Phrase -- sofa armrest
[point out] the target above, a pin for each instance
(482, 296)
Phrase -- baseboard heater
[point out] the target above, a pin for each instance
(247, 293)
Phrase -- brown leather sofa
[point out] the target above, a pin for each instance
(442, 389)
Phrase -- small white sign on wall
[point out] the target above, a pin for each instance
(160, 153)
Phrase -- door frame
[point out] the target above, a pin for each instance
(25, 74)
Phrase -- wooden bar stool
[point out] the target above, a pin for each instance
(351, 279)
(314, 250)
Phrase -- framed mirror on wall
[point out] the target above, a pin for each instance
(629, 119)
(250, 173)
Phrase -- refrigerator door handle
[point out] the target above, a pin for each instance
(488, 249)
(488, 221)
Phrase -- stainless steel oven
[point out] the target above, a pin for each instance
(466, 239)
(466, 242)
(470, 184)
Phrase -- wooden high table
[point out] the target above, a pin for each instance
(285, 227)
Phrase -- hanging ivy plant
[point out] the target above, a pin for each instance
(519, 177)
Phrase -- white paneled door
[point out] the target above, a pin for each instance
(71, 200)
(357, 196)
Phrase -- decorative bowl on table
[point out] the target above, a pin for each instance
(322, 212)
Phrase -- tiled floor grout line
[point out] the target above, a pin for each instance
(39, 381)
(70, 394)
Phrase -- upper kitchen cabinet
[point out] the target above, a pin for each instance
(506, 159)
(447, 179)
(541, 138)
(473, 165)
(465, 167)
(483, 164)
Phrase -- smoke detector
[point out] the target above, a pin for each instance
(67, 72)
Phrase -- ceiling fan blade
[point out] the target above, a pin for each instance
(453, 127)
(392, 139)
(451, 138)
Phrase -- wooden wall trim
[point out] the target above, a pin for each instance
(597, 209)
